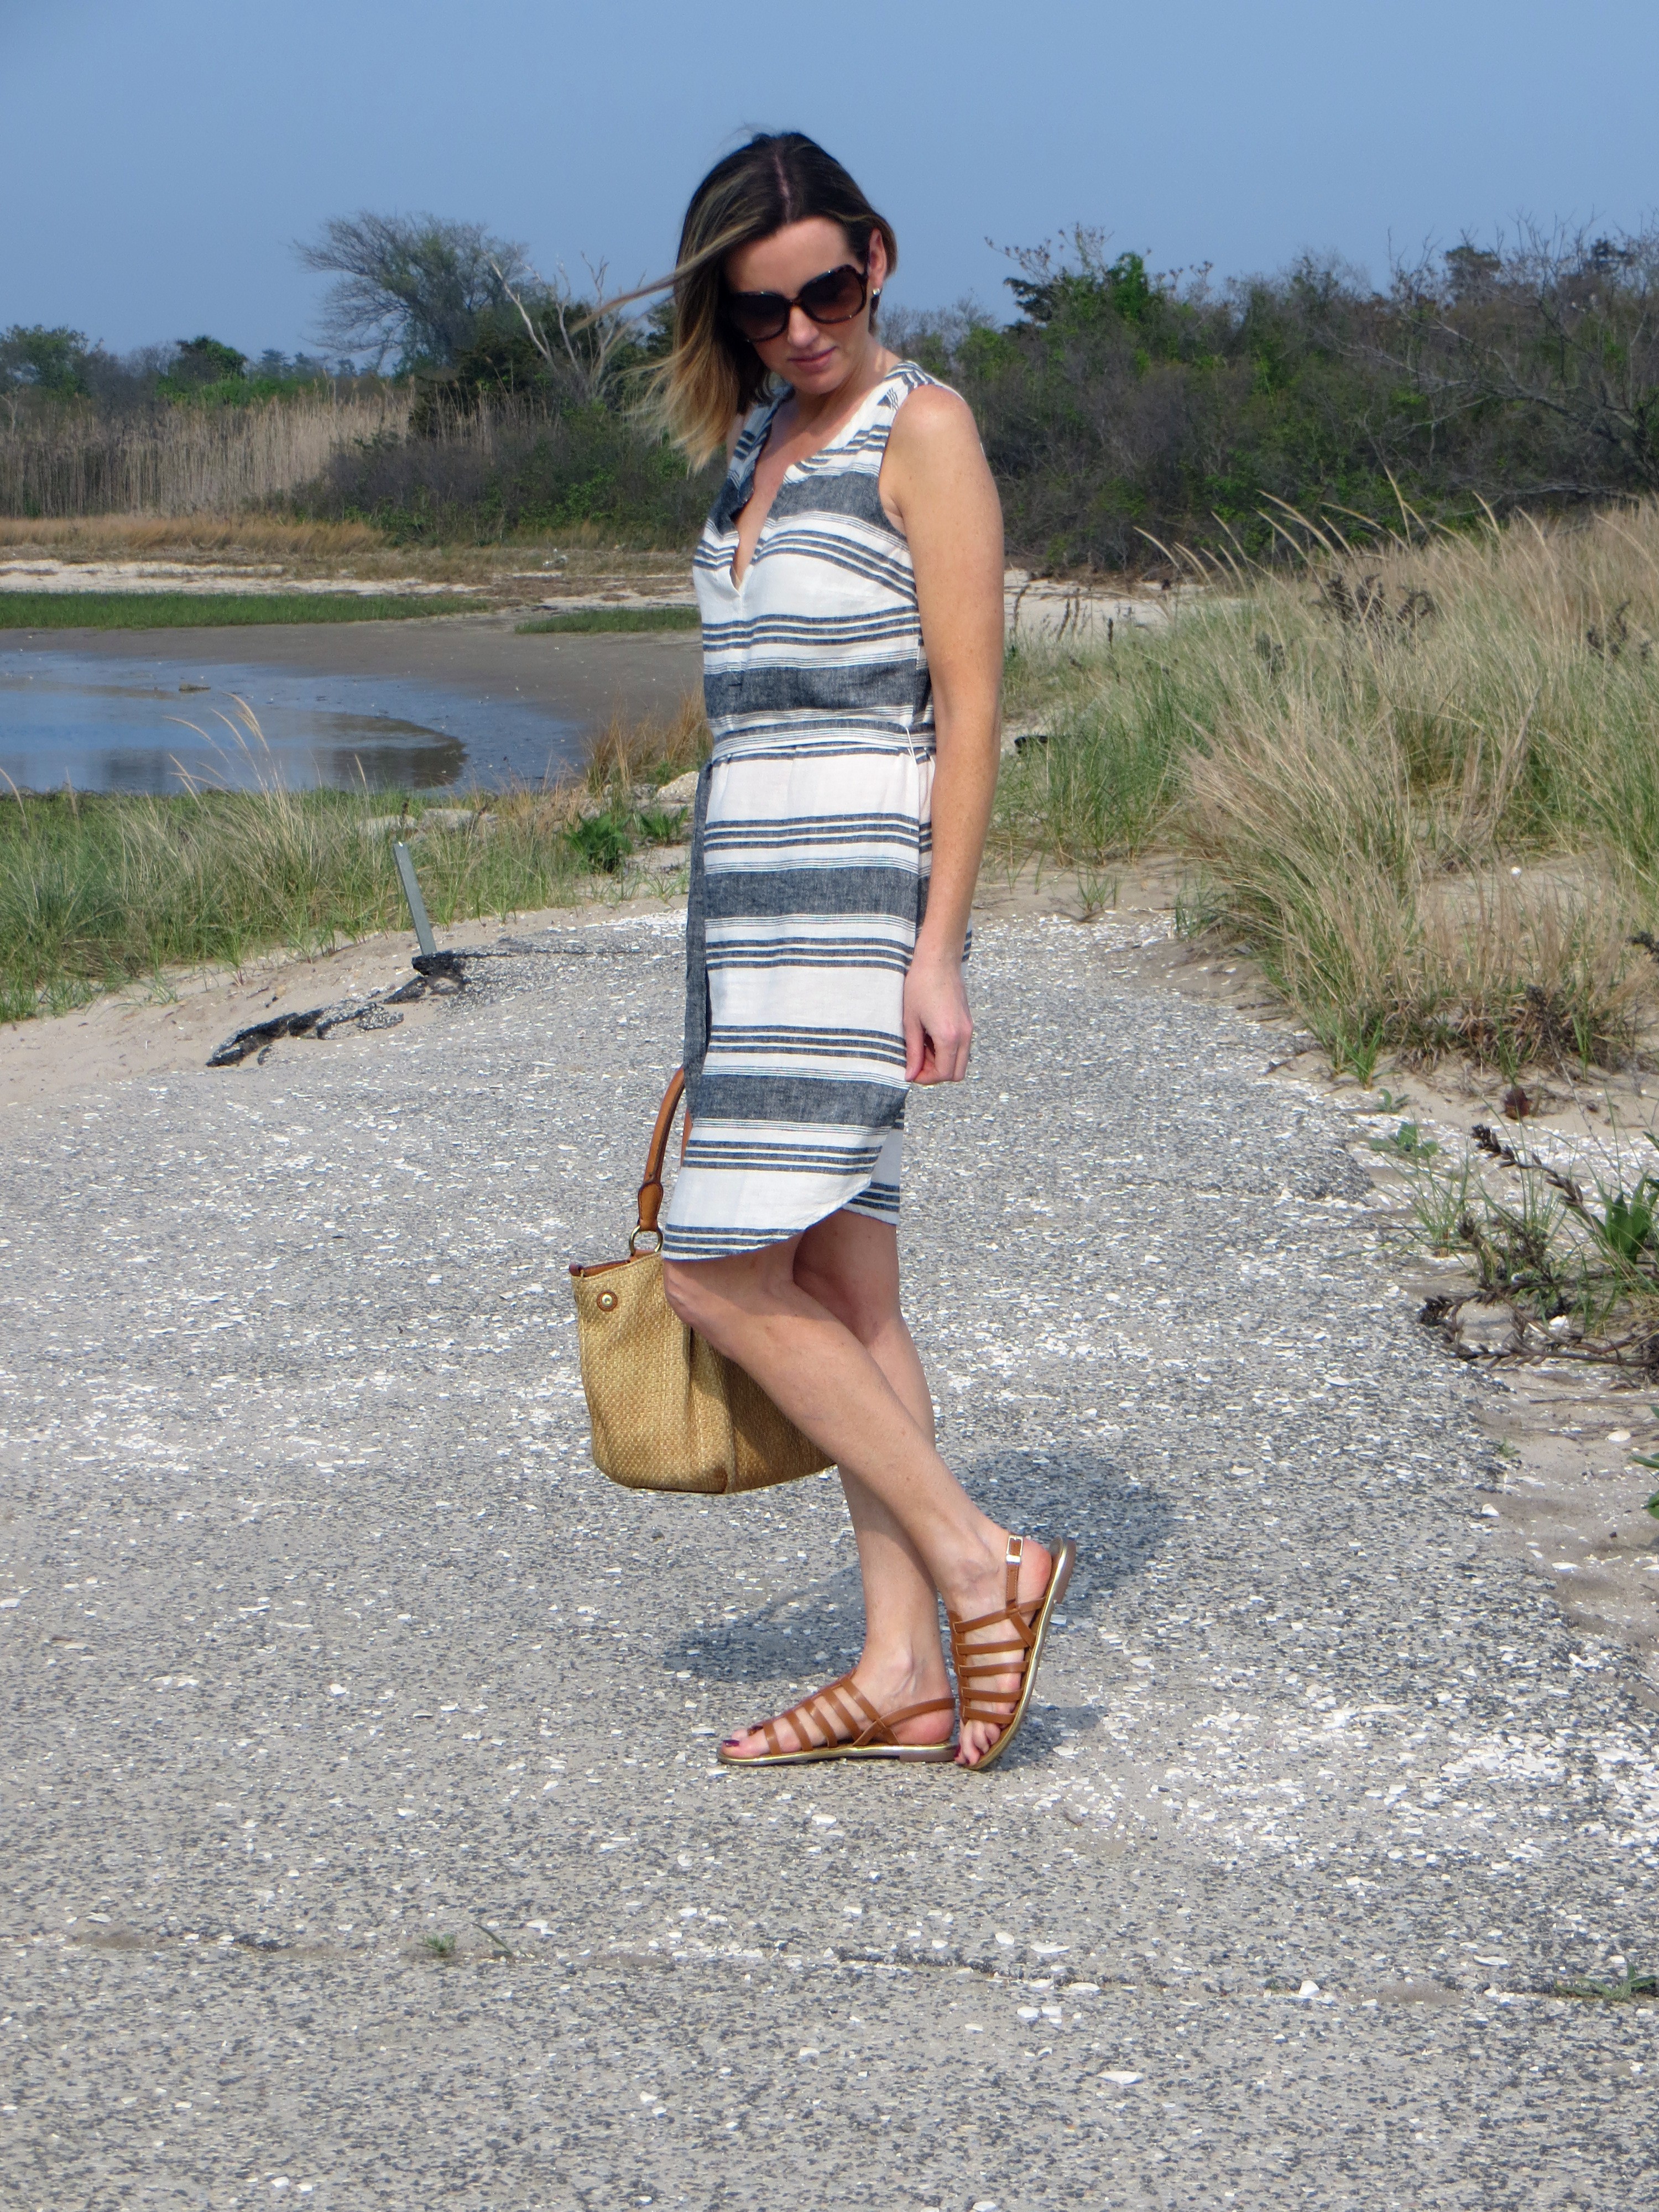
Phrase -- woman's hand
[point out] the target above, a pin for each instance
(939, 1030)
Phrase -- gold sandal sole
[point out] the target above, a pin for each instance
(910, 1754)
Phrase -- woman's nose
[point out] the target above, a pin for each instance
(804, 332)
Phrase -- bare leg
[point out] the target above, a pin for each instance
(849, 1264)
(873, 1415)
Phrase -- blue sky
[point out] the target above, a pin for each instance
(159, 156)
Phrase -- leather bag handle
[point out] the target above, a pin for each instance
(651, 1188)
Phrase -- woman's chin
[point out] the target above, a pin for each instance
(820, 373)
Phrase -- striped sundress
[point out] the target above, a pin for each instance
(810, 850)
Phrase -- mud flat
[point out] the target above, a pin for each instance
(458, 699)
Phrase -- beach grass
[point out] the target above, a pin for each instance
(37, 611)
(98, 891)
(1416, 781)
(585, 620)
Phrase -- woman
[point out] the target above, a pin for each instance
(850, 584)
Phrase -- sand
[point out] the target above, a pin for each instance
(43, 573)
(172, 1026)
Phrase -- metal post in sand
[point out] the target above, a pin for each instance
(423, 936)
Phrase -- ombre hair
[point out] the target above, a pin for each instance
(712, 374)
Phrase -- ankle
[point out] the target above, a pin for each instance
(980, 1561)
(901, 1667)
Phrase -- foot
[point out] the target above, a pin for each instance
(986, 1592)
(820, 1719)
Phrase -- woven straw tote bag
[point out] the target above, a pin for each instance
(669, 1412)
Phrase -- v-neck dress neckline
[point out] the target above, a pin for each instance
(761, 431)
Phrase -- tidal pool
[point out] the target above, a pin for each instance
(152, 725)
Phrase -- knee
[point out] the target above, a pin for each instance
(863, 1310)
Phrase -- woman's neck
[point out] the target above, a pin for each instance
(811, 411)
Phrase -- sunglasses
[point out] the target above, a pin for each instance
(834, 297)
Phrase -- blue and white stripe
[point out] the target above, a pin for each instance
(810, 852)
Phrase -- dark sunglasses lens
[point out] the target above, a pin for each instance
(835, 297)
(758, 315)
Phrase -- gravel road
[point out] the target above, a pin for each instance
(361, 1841)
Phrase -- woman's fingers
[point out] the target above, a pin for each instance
(937, 1060)
(939, 1030)
(918, 1048)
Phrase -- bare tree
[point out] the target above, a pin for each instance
(590, 333)
(1564, 325)
(412, 286)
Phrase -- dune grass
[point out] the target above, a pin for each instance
(1419, 782)
(583, 620)
(98, 891)
(215, 609)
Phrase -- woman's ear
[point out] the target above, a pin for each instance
(876, 261)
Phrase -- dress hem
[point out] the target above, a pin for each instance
(762, 1239)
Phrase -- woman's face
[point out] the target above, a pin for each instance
(814, 357)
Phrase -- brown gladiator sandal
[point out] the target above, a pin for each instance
(872, 1736)
(1018, 1653)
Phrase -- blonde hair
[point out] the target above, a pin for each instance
(712, 374)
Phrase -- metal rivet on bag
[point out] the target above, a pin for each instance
(607, 1301)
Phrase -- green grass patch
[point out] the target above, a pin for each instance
(614, 618)
(213, 610)
(100, 891)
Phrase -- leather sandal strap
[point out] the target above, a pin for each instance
(850, 1718)
(1022, 1640)
(975, 1662)
(852, 1710)
(1003, 1658)
(801, 1718)
(1013, 1615)
(976, 1682)
(880, 1729)
(807, 1714)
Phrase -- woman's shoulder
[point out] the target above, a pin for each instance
(931, 418)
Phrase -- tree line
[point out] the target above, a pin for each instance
(52, 366)
(1122, 410)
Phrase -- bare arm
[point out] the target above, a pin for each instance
(940, 490)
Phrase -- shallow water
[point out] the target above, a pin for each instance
(103, 724)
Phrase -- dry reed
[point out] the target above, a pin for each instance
(174, 461)
(655, 747)
(137, 536)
